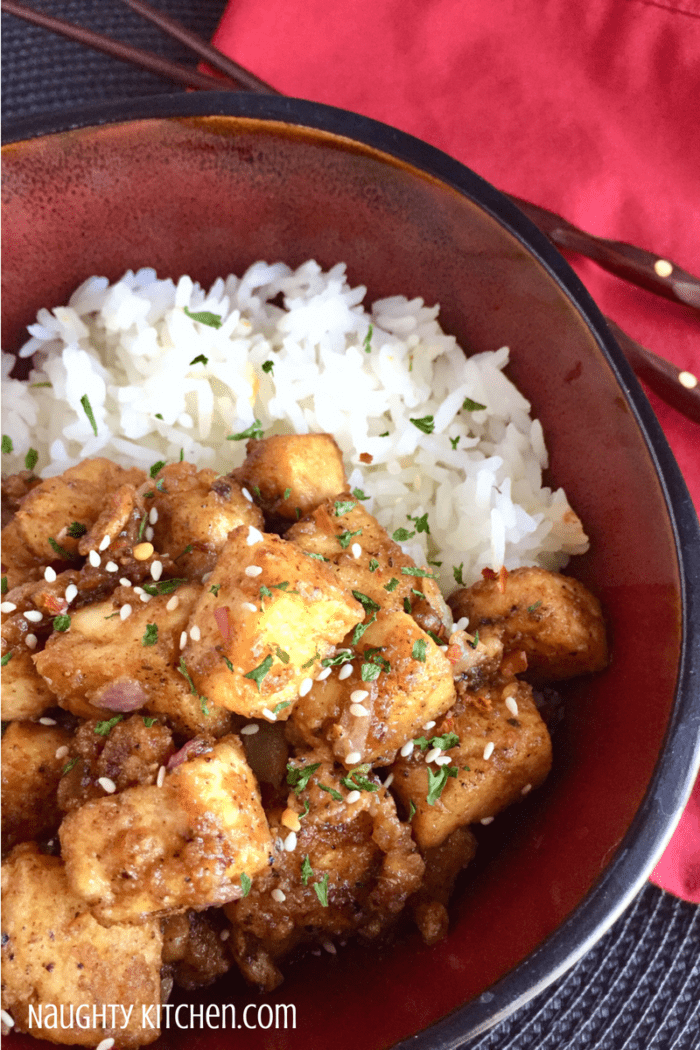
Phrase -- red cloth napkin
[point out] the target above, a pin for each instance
(591, 110)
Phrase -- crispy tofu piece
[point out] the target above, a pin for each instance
(519, 761)
(198, 509)
(359, 854)
(19, 563)
(554, 619)
(25, 694)
(193, 949)
(101, 654)
(290, 471)
(414, 685)
(30, 776)
(55, 954)
(276, 624)
(443, 864)
(153, 850)
(76, 495)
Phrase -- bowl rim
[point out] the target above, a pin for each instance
(679, 756)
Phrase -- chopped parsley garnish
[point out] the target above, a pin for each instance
(332, 792)
(159, 415)
(401, 535)
(160, 483)
(373, 564)
(214, 589)
(385, 434)
(283, 586)
(418, 651)
(444, 742)
(344, 506)
(437, 564)
(531, 608)
(472, 406)
(361, 628)
(454, 442)
(200, 359)
(34, 386)
(267, 366)
(205, 317)
(407, 605)
(298, 778)
(366, 346)
(69, 765)
(312, 661)
(367, 603)
(411, 809)
(4, 585)
(203, 704)
(287, 493)
(85, 402)
(457, 571)
(157, 467)
(149, 720)
(60, 551)
(6, 659)
(476, 640)
(31, 459)
(7, 445)
(256, 490)
(163, 586)
(437, 781)
(142, 527)
(228, 663)
(104, 728)
(186, 550)
(345, 537)
(76, 529)
(259, 672)
(420, 523)
(343, 657)
(182, 668)
(318, 557)
(61, 623)
(321, 890)
(280, 706)
(369, 672)
(410, 570)
(426, 424)
(306, 870)
(356, 780)
(281, 655)
(373, 666)
(391, 585)
(254, 431)
(305, 809)
(245, 884)
(359, 494)
(151, 634)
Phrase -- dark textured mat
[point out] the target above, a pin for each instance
(639, 987)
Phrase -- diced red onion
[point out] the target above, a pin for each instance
(123, 695)
(193, 747)
(223, 623)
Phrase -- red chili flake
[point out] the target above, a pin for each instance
(221, 615)
(502, 575)
(489, 574)
(365, 457)
(454, 654)
(54, 604)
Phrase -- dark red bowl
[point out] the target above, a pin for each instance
(205, 185)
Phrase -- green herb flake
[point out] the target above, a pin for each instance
(407, 606)
(391, 585)
(445, 741)
(321, 890)
(437, 781)
(454, 442)
(4, 585)
(361, 628)
(159, 415)
(411, 809)
(281, 655)
(356, 780)
(401, 535)
(268, 366)
(457, 571)
(149, 720)
(254, 431)
(228, 663)
(160, 483)
(200, 359)
(317, 557)
(60, 551)
(419, 647)
(426, 424)
(437, 564)
(344, 506)
(385, 434)
(359, 494)
(61, 623)
(373, 564)
(204, 704)
(76, 529)
(472, 406)
(259, 672)
(31, 459)
(186, 550)
(245, 884)
(369, 672)
(409, 570)
(163, 586)
(366, 346)
(142, 527)
(7, 445)
(343, 657)
(104, 728)
(305, 809)
(6, 659)
(69, 765)
(476, 640)
(157, 467)
(151, 634)
(85, 402)
(214, 589)
(283, 586)
(182, 668)
(367, 603)
(306, 870)
(422, 742)
(280, 706)
(256, 490)
(531, 608)
(35, 386)
(312, 661)
(298, 777)
(420, 523)
(332, 792)
(205, 317)
(287, 493)
(344, 538)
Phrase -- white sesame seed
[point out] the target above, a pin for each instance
(34, 616)
(663, 268)
(106, 1044)
(71, 592)
(512, 706)
(486, 820)
(153, 515)
(356, 550)
(160, 779)
(353, 758)
(31, 641)
(526, 790)
(344, 672)
(329, 947)
(462, 623)
(322, 675)
(443, 648)
(407, 749)
(429, 725)
(49, 574)
(269, 715)
(125, 612)
(488, 750)
(108, 785)
(94, 559)
(195, 633)
(47, 721)
(6, 1019)
(358, 695)
(250, 729)
(104, 543)
(224, 935)
(352, 797)
(156, 570)
(249, 606)
(433, 754)
(144, 597)
(253, 570)
(688, 380)
(358, 711)
(112, 566)
(389, 781)
(149, 533)
(139, 590)
(443, 760)
(290, 843)
(254, 536)
(183, 639)
(247, 495)
(278, 895)
(8, 607)
(306, 686)
(61, 752)
(173, 603)
(125, 583)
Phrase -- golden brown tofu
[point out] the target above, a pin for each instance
(266, 618)
(496, 756)
(76, 495)
(443, 864)
(25, 694)
(56, 955)
(33, 758)
(197, 509)
(19, 563)
(347, 871)
(290, 471)
(192, 948)
(152, 850)
(400, 680)
(554, 619)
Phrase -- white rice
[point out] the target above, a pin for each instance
(130, 346)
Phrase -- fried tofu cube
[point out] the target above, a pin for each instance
(153, 850)
(25, 694)
(552, 618)
(290, 471)
(55, 954)
(33, 757)
(499, 757)
(265, 620)
(76, 495)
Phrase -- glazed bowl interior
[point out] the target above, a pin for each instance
(159, 183)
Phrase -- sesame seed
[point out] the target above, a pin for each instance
(407, 749)
(344, 672)
(183, 639)
(443, 760)
(526, 790)
(488, 750)
(153, 515)
(252, 570)
(358, 695)
(144, 597)
(49, 574)
(224, 935)
(247, 495)
(254, 536)
(429, 725)
(278, 895)
(663, 267)
(61, 752)
(160, 779)
(250, 729)
(34, 616)
(329, 947)
(112, 566)
(290, 843)
(126, 583)
(269, 715)
(358, 711)
(173, 603)
(156, 570)
(353, 797)
(108, 785)
(139, 590)
(143, 551)
(104, 543)
(31, 641)
(353, 758)
(94, 559)
(249, 606)
(71, 592)
(47, 721)
(389, 781)
(195, 633)
(486, 820)
(106, 1044)
(512, 706)
(688, 380)
(462, 623)
(149, 533)
(125, 612)
(356, 550)
(305, 686)
(279, 845)
(322, 675)
(433, 754)
(8, 607)
(6, 1019)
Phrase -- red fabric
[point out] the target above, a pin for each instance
(591, 110)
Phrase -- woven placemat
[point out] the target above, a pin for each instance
(638, 988)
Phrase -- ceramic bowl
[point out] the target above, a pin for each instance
(206, 184)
